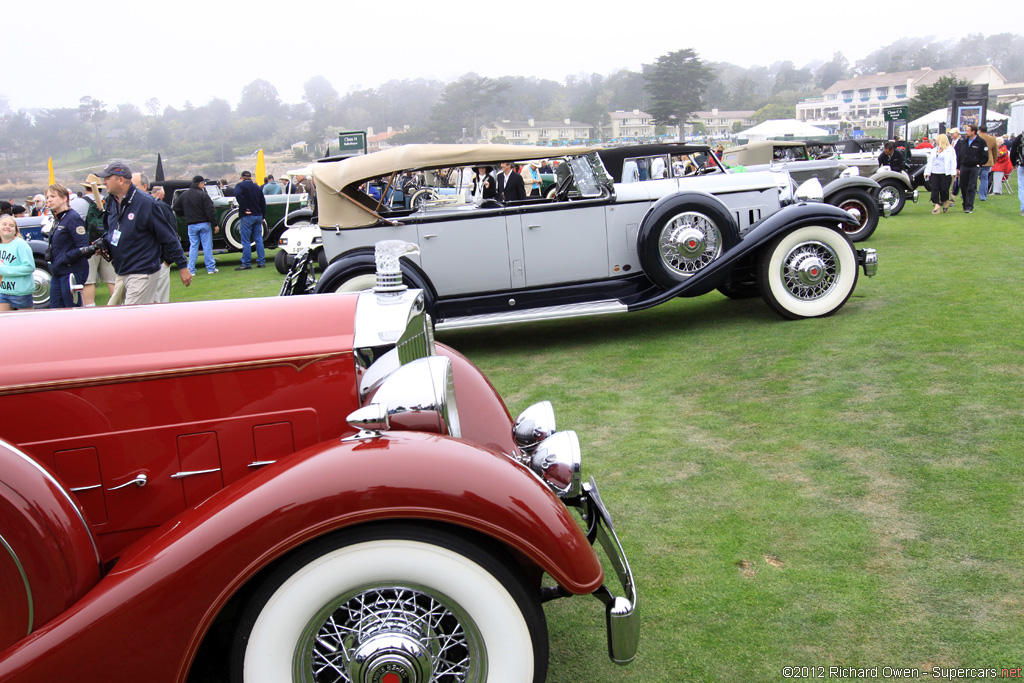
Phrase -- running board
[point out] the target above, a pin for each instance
(533, 315)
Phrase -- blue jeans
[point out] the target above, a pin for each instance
(252, 229)
(200, 232)
(983, 182)
(1020, 188)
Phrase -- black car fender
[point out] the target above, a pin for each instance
(39, 252)
(363, 262)
(785, 220)
(854, 181)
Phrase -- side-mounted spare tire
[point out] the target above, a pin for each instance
(682, 235)
(231, 224)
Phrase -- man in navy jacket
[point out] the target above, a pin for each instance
(140, 237)
(252, 206)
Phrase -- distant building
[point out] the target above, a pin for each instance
(532, 132)
(861, 100)
(718, 123)
(629, 125)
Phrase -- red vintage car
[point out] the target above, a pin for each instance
(289, 489)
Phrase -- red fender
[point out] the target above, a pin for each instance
(146, 618)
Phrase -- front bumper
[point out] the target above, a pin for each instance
(621, 616)
(868, 259)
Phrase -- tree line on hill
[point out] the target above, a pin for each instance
(671, 88)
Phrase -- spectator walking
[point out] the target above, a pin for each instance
(90, 208)
(68, 238)
(140, 236)
(16, 266)
(252, 206)
(972, 157)
(957, 143)
(195, 205)
(939, 170)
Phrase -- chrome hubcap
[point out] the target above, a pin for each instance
(689, 242)
(810, 270)
(390, 635)
(391, 658)
(857, 211)
(889, 196)
(40, 286)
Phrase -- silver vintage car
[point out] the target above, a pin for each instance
(591, 246)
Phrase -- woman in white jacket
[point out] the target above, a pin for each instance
(941, 168)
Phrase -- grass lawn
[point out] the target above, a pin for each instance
(835, 492)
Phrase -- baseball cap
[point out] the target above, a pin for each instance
(115, 168)
(198, 179)
(246, 174)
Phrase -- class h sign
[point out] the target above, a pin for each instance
(901, 113)
(352, 141)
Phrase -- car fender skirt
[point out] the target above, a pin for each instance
(205, 555)
(786, 219)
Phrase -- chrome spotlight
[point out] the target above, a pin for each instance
(533, 425)
(559, 462)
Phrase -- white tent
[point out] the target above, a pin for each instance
(777, 128)
(932, 120)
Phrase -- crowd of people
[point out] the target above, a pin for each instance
(972, 164)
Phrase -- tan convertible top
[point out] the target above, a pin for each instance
(339, 207)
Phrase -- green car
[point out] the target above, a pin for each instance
(225, 210)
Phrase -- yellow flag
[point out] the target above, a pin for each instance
(50, 164)
(261, 168)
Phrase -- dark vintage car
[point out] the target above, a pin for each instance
(596, 247)
(299, 502)
(894, 188)
(225, 209)
(842, 187)
(34, 230)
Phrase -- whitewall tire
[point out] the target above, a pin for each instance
(808, 273)
(396, 604)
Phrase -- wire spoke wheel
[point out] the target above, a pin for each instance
(810, 270)
(389, 629)
(689, 242)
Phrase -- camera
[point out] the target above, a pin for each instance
(101, 245)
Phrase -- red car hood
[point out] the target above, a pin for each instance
(124, 342)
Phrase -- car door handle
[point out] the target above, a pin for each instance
(87, 488)
(182, 475)
(139, 481)
(429, 236)
(532, 226)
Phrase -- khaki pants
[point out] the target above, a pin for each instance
(142, 289)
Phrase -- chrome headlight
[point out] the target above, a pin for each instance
(533, 425)
(849, 171)
(559, 462)
(417, 395)
(810, 191)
